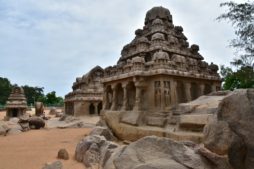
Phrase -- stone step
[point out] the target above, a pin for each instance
(194, 122)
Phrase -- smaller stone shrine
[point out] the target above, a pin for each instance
(16, 104)
(86, 97)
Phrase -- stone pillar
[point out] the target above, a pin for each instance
(187, 91)
(202, 89)
(96, 107)
(113, 107)
(137, 98)
(124, 96)
(105, 99)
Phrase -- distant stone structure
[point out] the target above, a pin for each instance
(16, 104)
(86, 97)
(158, 69)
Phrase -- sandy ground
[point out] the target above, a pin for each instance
(32, 149)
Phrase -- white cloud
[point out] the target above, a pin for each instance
(49, 43)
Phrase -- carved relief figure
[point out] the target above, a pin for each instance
(157, 92)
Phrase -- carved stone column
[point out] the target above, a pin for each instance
(187, 91)
(104, 98)
(113, 107)
(96, 108)
(124, 96)
(137, 98)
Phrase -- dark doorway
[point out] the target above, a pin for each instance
(91, 109)
(181, 95)
(14, 112)
(131, 96)
(99, 108)
(194, 91)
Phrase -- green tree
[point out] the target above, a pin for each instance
(5, 90)
(33, 93)
(241, 16)
(52, 99)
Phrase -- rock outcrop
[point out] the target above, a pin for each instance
(103, 131)
(54, 165)
(94, 151)
(238, 111)
(3, 128)
(183, 122)
(150, 152)
(36, 122)
(217, 137)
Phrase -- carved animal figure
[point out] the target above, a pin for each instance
(39, 108)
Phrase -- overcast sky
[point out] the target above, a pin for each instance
(48, 43)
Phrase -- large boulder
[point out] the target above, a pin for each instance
(237, 110)
(93, 151)
(153, 152)
(14, 127)
(63, 154)
(217, 161)
(103, 131)
(217, 137)
(24, 122)
(36, 122)
(3, 128)
(54, 165)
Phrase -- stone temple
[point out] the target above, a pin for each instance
(86, 97)
(157, 70)
(16, 104)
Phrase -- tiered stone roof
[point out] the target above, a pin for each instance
(88, 87)
(161, 48)
(17, 98)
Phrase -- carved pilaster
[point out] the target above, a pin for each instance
(113, 107)
(105, 100)
(124, 96)
(96, 108)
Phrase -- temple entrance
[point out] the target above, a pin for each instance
(131, 96)
(99, 108)
(181, 95)
(15, 112)
(91, 109)
(194, 90)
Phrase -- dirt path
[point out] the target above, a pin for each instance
(34, 148)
